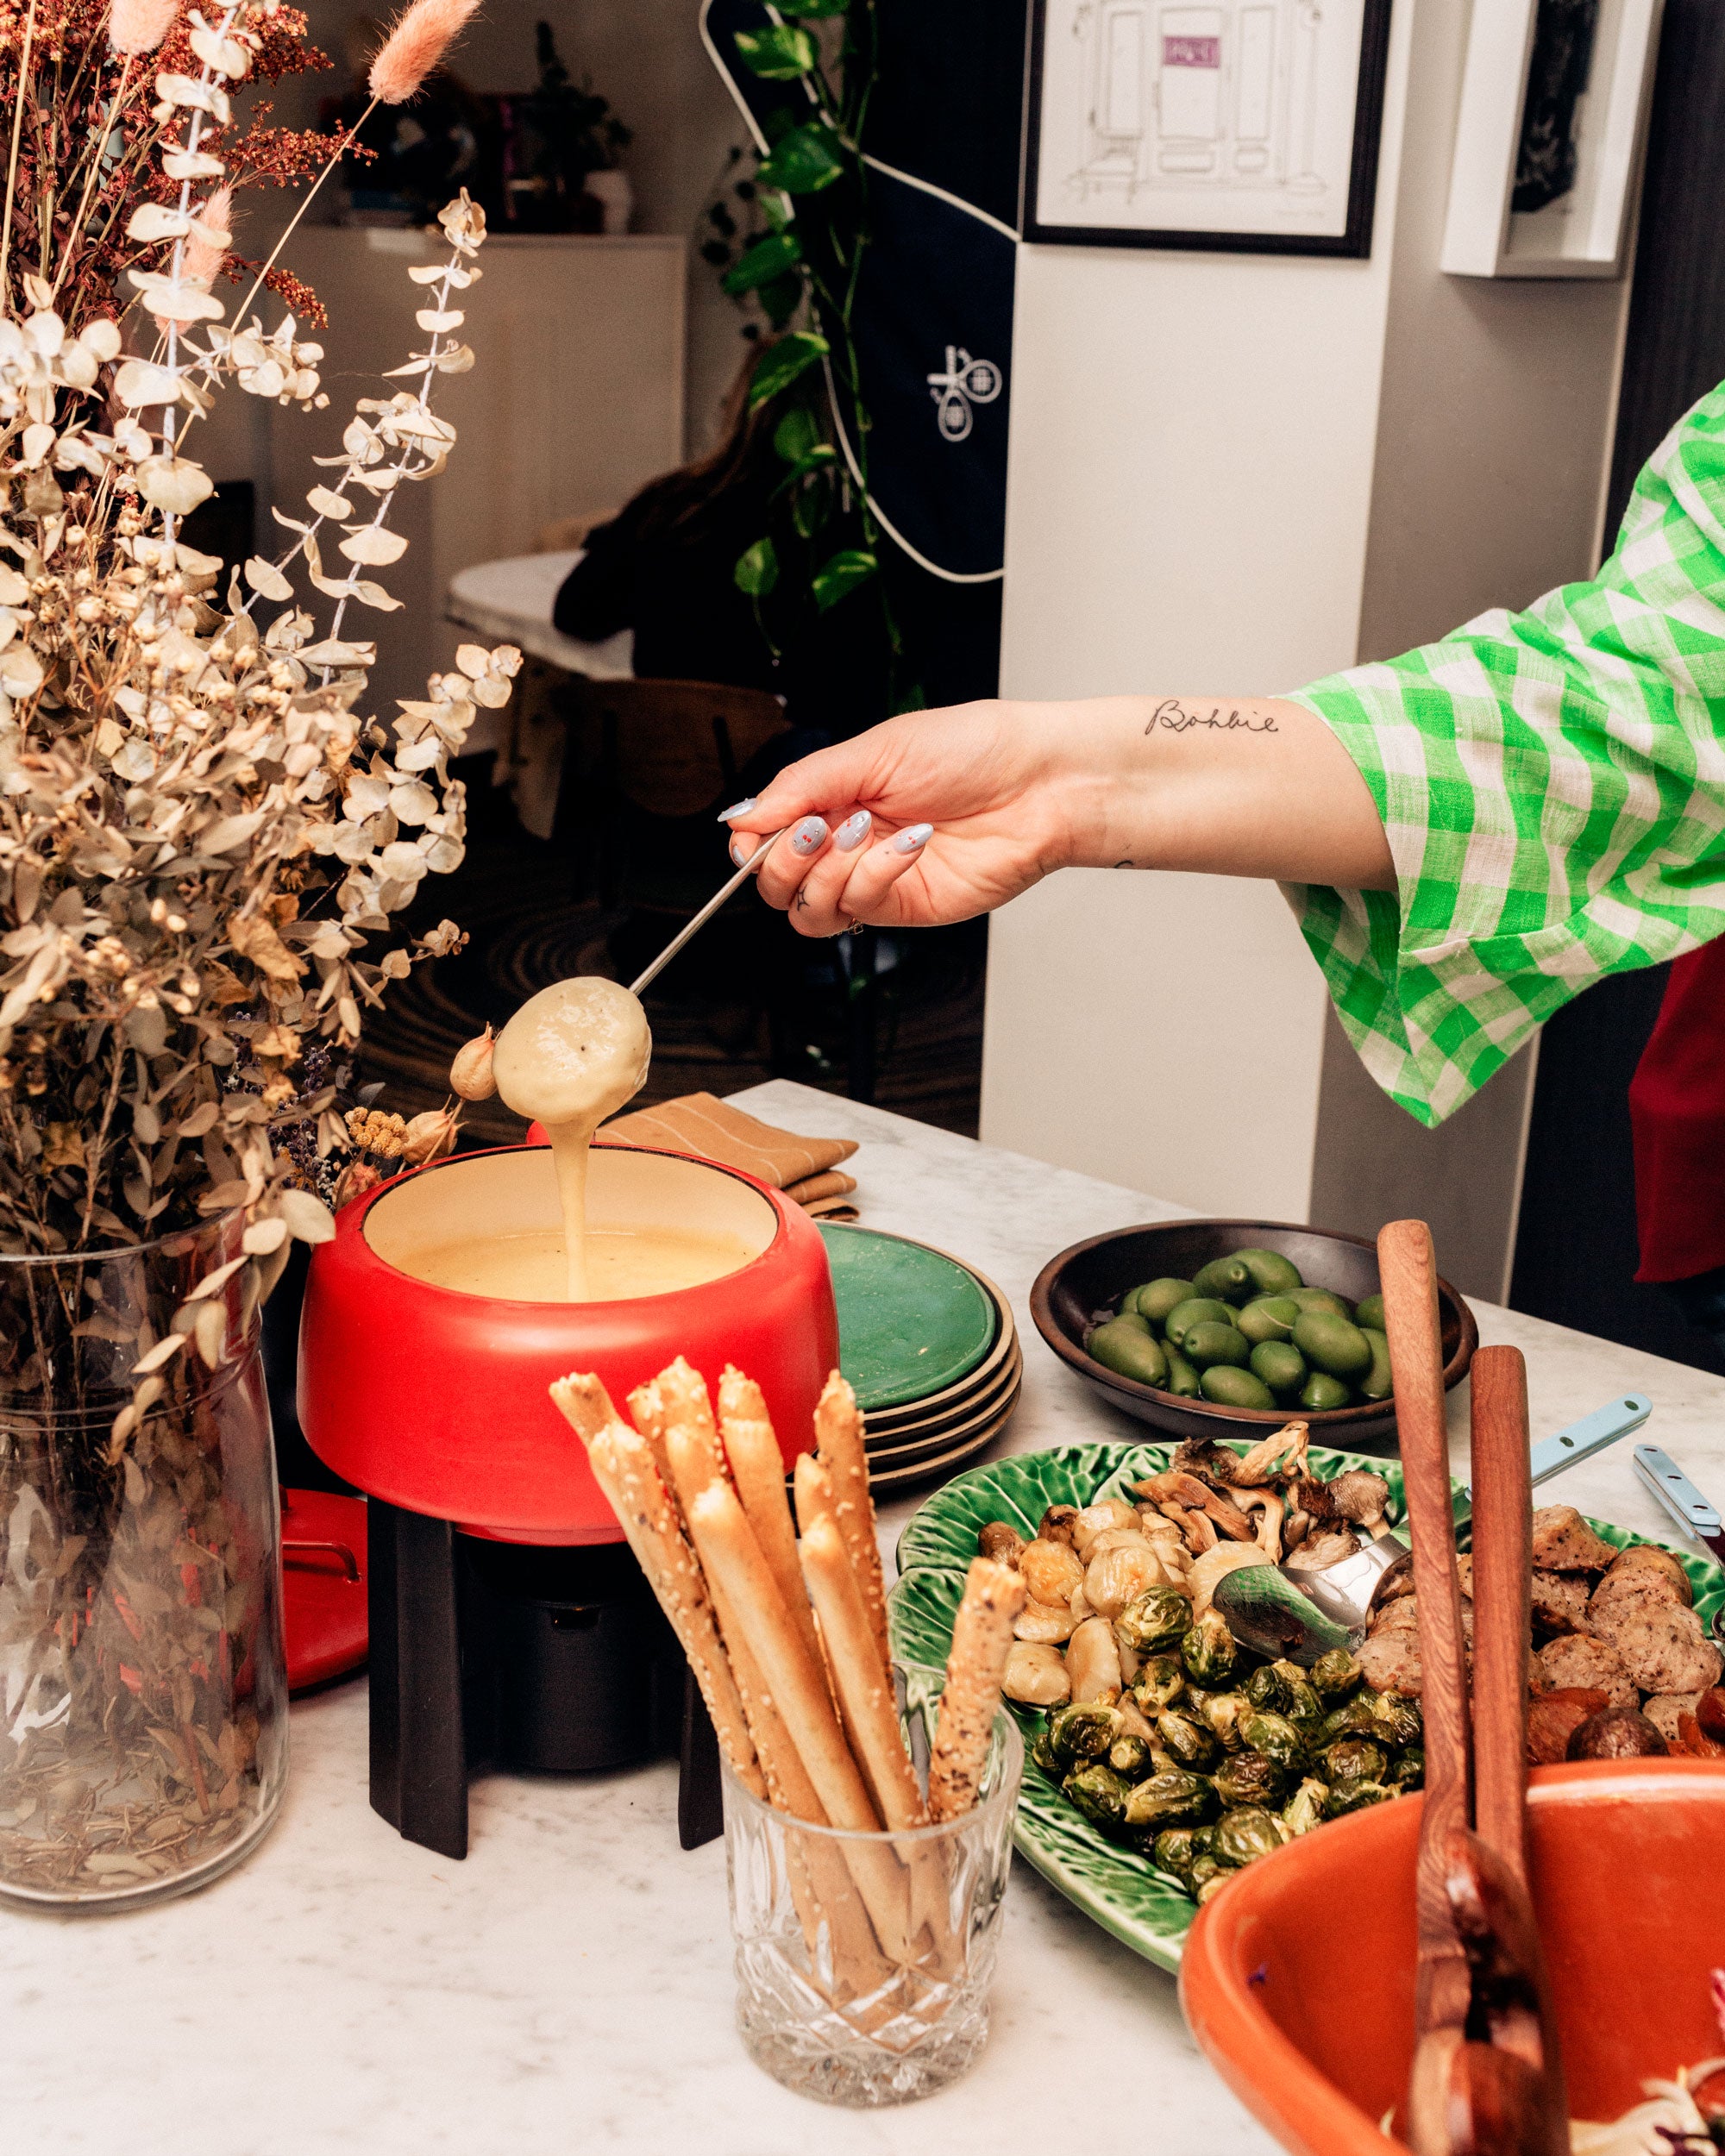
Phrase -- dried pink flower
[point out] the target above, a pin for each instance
(139, 26)
(417, 43)
(204, 256)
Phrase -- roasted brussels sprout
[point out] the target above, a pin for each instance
(1408, 1769)
(1333, 1675)
(1172, 1851)
(1176, 1799)
(1275, 1737)
(1354, 1796)
(1222, 1713)
(1160, 1681)
(1083, 1730)
(1100, 1794)
(1355, 1759)
(1357, 1717)
(1188, 1740)
(1398, 1720)
(1304, 1709)
(1207, 1651)
(1205, 1872)
(1042, 1755)
(1269, 1689)
(1305, 1810)
(1246, 1833)
(1253, 1777)
(1129, 1757)
(1212, 1887)
(1153, 1620)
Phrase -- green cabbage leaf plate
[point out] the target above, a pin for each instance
(1116, 1887)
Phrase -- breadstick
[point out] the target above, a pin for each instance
(758, 1470)
(683, 1389)
(624, 1470)
(733, 1563)
(981, 1635)
(814, 1491)
(838, 1429)
(648, 1412)
(865, 1691)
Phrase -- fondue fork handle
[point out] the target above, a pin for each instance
(1407, 1274)
(700, 920)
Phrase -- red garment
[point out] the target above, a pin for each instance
(1677, 1110)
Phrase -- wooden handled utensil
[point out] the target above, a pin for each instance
(1486, 2079)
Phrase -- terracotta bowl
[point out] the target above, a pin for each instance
(1298, 1981)
(1074, 1288)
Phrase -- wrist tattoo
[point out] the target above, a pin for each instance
(1175, 717)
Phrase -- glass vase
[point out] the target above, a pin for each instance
(864, 1960)
(143, 1693)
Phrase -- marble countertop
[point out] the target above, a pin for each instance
(569, 1983)
(512, 600)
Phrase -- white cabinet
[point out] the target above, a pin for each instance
(575, 400)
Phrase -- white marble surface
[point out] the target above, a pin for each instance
(569, 1984)
(512, 600)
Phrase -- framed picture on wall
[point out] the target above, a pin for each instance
(1548, 140)
(1249, 126)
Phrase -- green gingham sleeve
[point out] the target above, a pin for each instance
(1552, 786)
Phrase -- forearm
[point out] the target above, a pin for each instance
(1231, 786)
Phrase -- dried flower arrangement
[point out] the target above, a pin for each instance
(202, 836)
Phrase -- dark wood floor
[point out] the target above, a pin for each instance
(748, 1001)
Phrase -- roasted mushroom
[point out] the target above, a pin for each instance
(1056, 1525)
(1362, 1497)
(1001, 1541)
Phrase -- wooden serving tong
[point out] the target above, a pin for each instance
(1487, 2079)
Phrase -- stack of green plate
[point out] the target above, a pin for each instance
(929, 1348)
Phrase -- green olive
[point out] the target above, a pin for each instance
(1125, 1345)
(1231, 1388)
(1182, 1379)
(1321, 1298)
(1271, 1273)
(1370, 1312)
(1271, 1317)
(1320, 1393)
(1196, 1310)
(1334, 1346)
(1207, 1344)
(1280, 1365)
(1157, 1297)
(1229, 1279)
(1376, 1384)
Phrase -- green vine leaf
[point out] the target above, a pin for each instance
(804, 162)
(757, 570)
(780, 299)
(809, 8)
(796, 434)
(767, 260)
(790, 357)
(809, 508)
(816, 459)
(840, 574)
(782, 54)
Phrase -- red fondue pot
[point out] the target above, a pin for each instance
(435, 1399)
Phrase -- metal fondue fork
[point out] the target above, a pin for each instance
(705, 914)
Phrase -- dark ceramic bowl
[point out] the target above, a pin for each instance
(1085, 1283)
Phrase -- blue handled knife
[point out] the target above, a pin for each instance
(1580, 1440)
(1679, 1497)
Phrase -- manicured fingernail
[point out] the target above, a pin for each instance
(737, 808)
(810, 835)
(740, 850)
(852, 831)
(913, 840)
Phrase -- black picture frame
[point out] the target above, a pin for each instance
(1355, 239)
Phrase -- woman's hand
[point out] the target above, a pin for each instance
(988, 777)
(940, 815)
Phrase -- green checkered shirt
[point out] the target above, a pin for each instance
(1552, 786)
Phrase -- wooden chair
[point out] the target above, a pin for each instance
(647, 767)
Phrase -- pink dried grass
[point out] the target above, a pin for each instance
(414, 47)
(139, 26)
(204, 257)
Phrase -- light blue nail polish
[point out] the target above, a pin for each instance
(740, 850)
(852, 831)
(913, 840)
(810, 835)
(737, 808)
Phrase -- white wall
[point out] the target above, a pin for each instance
(1233, 475)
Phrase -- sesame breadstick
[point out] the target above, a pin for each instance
(758, 1470)
(838, 1429)
(814, 1492)
(981, 1637)
(865, 1691)
(624, 1470)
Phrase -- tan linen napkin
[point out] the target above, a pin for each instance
(701, 1123)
